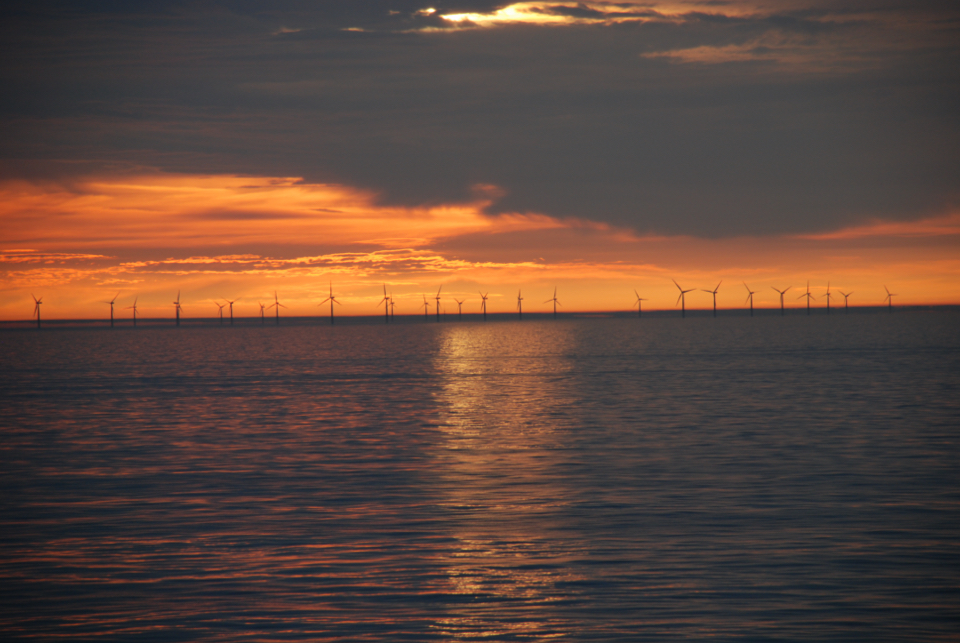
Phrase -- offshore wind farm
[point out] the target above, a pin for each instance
(389, 303)
(419, 321)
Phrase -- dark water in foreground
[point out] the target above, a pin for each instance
(586, 480)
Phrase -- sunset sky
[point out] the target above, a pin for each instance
(234, 149)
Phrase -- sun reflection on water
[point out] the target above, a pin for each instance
(498, 386)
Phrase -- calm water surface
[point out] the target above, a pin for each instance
(791, 479)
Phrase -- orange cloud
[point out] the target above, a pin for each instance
(187, 211)
(946, 225)
(76, 244)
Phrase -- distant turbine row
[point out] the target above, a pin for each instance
(388, 303)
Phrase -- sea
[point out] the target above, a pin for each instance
(586, 478)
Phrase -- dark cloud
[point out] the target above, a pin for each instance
(805, 121)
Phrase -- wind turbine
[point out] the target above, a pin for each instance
(846, 304)
(808, 296)
(438, 301)
(111, 308)
(393, 305)
(332, 300)
(782, 293)
(177, 307)
(828, 297)
(386, 305)
(889, 298)
(714, 293)
(459, 309)
(221, 307)
(231, 308)
(276, 304)
(750, 294)
(426, 307)
(36, 308)
(638, 303)
(483, 305)
(262, 308)
(519, 305)
(134, 306)
(555, 302)
(682, 299)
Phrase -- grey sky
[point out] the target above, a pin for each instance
(726, 119)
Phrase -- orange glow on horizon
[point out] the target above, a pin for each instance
(78, 245)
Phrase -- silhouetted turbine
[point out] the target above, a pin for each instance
(177, 307)
(111, 308)
(519, 305)
(846, 304)
(483, 305)
(749, 298)
(555, 302)
(638, 303)
(221, 307)
(782, 293)
(36, 308)
(262, 316)
(332, 300)
(682, 299)
(889, 299)
(392, 305)
(459, 309)
(231, 308)
(808, 296)
(828, 297)
(134, 307)
(714, 293)
(276, 304)
(438, 301)
(386, 305)
(426, 307)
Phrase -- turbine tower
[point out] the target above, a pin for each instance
(438, 301)
(782, 293)
(134, 307)
(276, 304)
(638, 303)
(426, 307)
(386, 305)
(177, 307)
(36, 308)
(749, 298)
(846, 303)
(459, 309)
(519, 305)
(808, 296)
(393, 304)
(111, 308)
(231, 308)
(483, 305)
(682, 299)
(714, 293)
(221, 307)
(555, 302)
(828, 297)
(889, 299)
(332, 300)
(262, 309)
